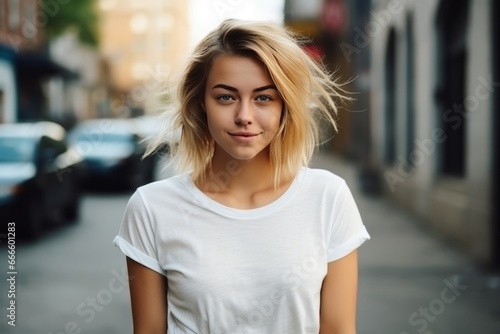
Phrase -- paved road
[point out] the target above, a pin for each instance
(71, 281)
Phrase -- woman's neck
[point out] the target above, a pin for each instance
(231, 174)
(242, 184)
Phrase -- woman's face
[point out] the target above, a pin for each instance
(243, 107)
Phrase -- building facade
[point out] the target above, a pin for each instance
(16, 34)
(25, 64)
(87, 96)
(434, 130)
(142, 42)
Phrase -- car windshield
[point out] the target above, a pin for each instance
(109, 138)
(14, 149)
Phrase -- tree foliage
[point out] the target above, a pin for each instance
(80, 15)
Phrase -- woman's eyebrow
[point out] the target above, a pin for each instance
(272, 86)
(226, 87)
(233, 89)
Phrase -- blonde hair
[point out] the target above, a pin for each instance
(308, 91)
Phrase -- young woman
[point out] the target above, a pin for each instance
(246, 238)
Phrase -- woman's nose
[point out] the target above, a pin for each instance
(244, 114)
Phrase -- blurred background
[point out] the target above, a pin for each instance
(419, 146)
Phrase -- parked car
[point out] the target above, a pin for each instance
(112, 153)
(39, 177)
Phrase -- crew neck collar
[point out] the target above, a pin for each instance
(216, 207)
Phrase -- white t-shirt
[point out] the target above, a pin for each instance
(242, 271)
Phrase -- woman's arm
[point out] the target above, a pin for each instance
(148, 296)
(338, 296)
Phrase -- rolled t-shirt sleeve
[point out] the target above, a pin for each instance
(347, 231)
(136, 236)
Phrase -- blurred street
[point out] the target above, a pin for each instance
(83, 83)
(72, 279)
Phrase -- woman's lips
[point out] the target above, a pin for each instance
(244, 136)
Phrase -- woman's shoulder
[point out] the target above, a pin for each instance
(322, 177)
(322, 183)
(172, 181)
(158, 195)
(164, 188)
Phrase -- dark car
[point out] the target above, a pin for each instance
(39, 177)
(112, 153)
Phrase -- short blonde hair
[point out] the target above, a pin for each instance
(308, 91)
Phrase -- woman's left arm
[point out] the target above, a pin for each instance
(339, 295)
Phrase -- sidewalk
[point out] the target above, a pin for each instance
(410, 280)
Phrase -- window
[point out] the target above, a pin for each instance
(139, 23)
(30, 10)
(390, 99)
(450, 92)
(14, 15)
(410, 89)
(29, 15)
(2, 14)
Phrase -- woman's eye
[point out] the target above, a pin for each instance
(263, 98)
(224, 98)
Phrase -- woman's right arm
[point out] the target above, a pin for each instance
(148, 296)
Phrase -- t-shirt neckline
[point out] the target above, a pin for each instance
(219, 208)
